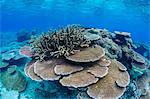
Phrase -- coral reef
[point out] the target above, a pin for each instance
(66, 69)
(27, 51)
(59, 43)
(11, 63)
(3, 64)
(89, 62)
(132, 91)
(89, 73)
(86, 66)
(87, 54)
(143, 49)
(13, 79)
(108, 86)
(143, 84)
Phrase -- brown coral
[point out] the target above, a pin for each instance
(104, 62)
(81, 64)
(97, 70)
(45, 69)
(107, 87)
(65, 69)
(32, 75)
(26, 68)
(59, 43)
(78, 79)
(121, 66)
(90, 54)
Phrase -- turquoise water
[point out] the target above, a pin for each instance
(115, 15)
(20, 19)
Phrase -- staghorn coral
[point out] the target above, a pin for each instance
(83, 64)
(59, 43)
(85, 74)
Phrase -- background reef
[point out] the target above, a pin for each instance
(54, 64)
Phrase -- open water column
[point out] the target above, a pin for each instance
(74, 49)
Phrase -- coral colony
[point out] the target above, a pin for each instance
(96, 61)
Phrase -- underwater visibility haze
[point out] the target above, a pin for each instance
(116, 15)
(75, 49)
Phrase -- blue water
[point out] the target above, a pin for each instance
(120, 15)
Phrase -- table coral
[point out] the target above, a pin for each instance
(87, 54)
(15, 81)
(79, 79)
(89, 73)
(87, 61)
(112, 85)
(45, 69)
(31, 74)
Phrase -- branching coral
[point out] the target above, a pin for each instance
(59, 43)
(99, 73)
(77, 60)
